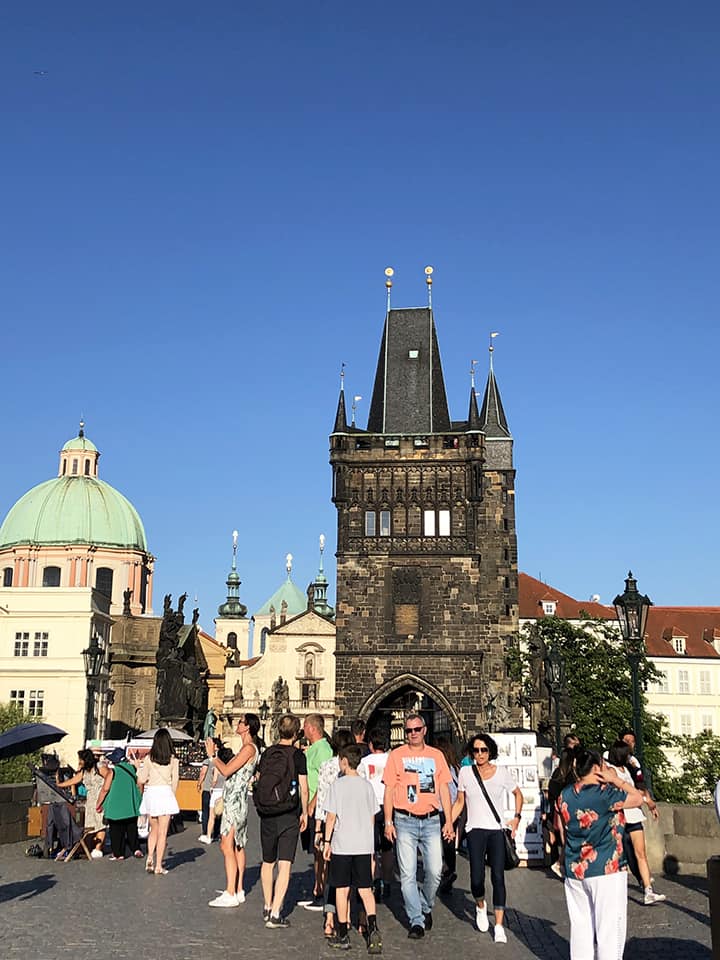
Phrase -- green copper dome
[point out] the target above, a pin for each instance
(80, 442)
(74, 509)
(294, 597)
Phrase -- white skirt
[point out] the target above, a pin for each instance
(159, 801)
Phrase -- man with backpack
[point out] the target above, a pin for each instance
(281, 799)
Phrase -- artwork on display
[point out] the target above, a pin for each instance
(517, 752)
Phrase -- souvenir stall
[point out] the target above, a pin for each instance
(519, 753)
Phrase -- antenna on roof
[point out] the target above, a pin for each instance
(491, 348)
(389, 274)
(428, 281)
(354, 408)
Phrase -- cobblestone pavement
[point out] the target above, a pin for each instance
(115, 910)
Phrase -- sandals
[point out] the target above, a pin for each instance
(161, 872)
(149, 868)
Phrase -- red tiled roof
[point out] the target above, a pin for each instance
(533, 592)
(699, 626)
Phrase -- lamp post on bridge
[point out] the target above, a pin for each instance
(632, 612)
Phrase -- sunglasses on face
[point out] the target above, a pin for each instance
(480, 750)
(413, 729)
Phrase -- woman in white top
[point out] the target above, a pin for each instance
(159, 773)
(618, 757)
(483, 830)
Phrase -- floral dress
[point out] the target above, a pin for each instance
(92, 782)
(235, 802)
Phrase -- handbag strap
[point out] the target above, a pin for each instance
(487, 797)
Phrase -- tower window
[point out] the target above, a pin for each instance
(232, 640)
(75, 468)
(87, 468)
(377, 523)
(436, 523)
(7, 576)
(51, 577)
(64, 467)
(104, 580)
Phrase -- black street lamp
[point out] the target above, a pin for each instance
(264, 714)
(555, 679)
(632, 612)
(93, 660)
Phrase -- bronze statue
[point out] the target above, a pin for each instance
(181, 686)
(127, 597)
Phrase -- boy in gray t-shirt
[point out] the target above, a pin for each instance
(349, 845)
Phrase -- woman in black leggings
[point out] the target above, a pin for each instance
(484, 829)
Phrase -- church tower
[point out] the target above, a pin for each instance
(427, 583)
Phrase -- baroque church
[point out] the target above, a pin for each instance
(427, 579)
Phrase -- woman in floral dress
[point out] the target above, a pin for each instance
(595, 871)
(238, 774)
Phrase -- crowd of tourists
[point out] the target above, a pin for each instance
(366, 813)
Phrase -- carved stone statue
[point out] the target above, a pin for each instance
(127, 597)
(311, 596)
(209, 724)
(181, 688)
(237, 694)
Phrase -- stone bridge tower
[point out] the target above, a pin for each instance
(427, 584)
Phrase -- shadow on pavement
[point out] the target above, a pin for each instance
(697, 885)
(25, 889)
(653, 947)
(537, 934)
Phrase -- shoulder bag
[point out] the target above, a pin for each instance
(512, 859)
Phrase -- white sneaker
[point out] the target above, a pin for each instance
(481, 919)
(96, 854)
(500, 936)
(652, 897)
(225, 900)
(240, 896)
(204, 839)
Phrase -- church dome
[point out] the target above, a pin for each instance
(74, 507)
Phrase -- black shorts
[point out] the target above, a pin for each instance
(382, 844)
(633, 827)
(351, 870)
(307, 837)
(279, 837)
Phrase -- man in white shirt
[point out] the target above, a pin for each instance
(372, 768)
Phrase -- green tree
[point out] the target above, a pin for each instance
(15, 770)
(700, 769)
(598, 684)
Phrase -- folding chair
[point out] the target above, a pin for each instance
(81, 845)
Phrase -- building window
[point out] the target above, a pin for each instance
(683, 681)
(51, 577)
(36, 703)
(705, 682)
(87, 468)
(372, 529)
(549, 607)
(232, 640)
(308, 693)
(436, 523)
(104, 580)
(17, 697)
(40, 645)
(22, 644)
(679, 644)
(685, 725)
(662, 684)
(75, 468)
(64, 467)
(7, 576)
(707, 722)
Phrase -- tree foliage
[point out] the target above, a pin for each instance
(598, 684)
(700, 769)
(16, 769)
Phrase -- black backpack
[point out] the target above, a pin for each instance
(276, 789)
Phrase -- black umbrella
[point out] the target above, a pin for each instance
(28, 737)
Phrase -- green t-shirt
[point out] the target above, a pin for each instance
(316, 754)
(123, 798)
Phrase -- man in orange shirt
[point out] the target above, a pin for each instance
(416, 779)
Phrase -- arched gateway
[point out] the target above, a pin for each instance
(389, 704)
(427, 578)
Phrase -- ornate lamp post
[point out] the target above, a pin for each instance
(632, 613)
(554, 666)
(264, 714)
(93, 660)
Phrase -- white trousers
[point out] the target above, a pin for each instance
(597, 908)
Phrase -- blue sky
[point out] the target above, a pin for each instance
(198, 205)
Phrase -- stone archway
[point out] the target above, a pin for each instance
(389, 703)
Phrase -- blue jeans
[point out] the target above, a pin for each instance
(414, 835)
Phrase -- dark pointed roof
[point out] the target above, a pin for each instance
(493, 421)
(341, 416)
(473, 423)
(409, 393)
